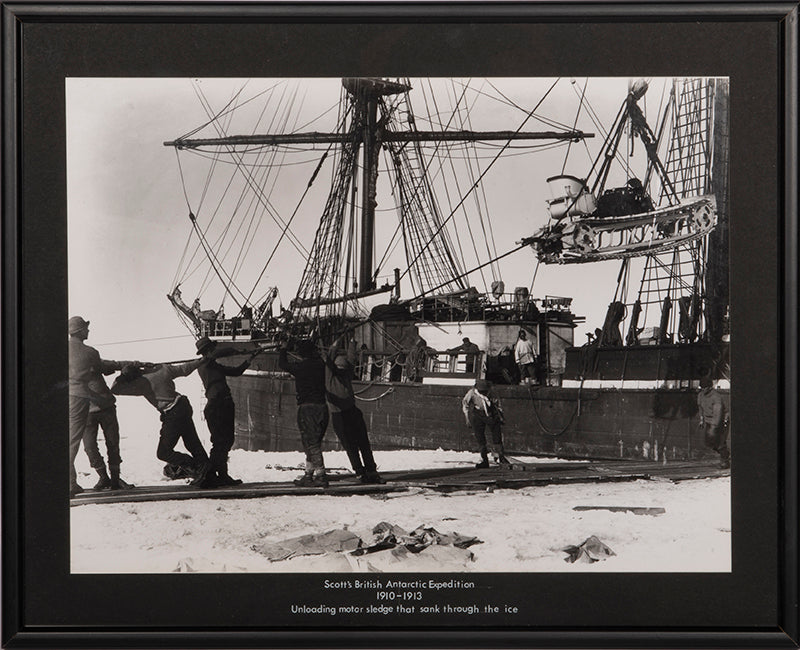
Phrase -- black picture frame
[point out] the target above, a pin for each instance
(755, 44)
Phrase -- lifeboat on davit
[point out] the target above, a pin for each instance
(571, 197)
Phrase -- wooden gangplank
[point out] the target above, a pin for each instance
(243, 491)
(519, 474)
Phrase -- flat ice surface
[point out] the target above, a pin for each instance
(522, 530)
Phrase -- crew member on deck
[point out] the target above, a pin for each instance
(346, 417)
(525, 357)
(470, 349)
(482, 409)
(312, 411)
(220, 410)
(156, 384)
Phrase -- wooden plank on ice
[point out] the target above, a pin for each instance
(244, 491)
(636, 510)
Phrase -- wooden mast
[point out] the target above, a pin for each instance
(372, 134)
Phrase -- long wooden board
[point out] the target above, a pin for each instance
(243, 491)
(517, 475)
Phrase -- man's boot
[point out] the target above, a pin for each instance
(319, 479)
(116, 482)
(104, 481)
(484, 462)
(206, 477)
(225, 479)
(306, 480)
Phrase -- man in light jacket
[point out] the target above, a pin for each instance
(525, 357)
(157, 385)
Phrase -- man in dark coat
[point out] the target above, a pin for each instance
(220, 409)
(481, 410)
(87, 391)
(470, 349)
(312, 411)
(714, 420)
(347, 418)
(103, 415)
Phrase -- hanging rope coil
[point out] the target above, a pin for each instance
(545, 429)
(375, 399)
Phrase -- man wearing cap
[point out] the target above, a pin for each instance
(482, 409)
(525, 358)
(470, 349)
(312, 412)
(156, 384)
(90, 404)
(714, 420)
(220, 409)
(346, 417)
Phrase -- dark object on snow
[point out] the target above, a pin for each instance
(592, 550)
(174, 472)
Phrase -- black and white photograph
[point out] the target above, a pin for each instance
(390, 325)
(411, 325)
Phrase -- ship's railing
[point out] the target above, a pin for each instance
(227, 328)
(403, 367)
(454, 363)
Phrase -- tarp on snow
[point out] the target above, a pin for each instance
(332, 541)
(592, 550)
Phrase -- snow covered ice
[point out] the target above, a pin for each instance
(522, 530)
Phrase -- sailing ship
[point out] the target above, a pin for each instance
(617, 396)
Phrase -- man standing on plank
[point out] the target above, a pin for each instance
(312, 412)
(347, 418)
(220, 409)
(90, 402)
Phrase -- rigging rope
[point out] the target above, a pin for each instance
(513, 250)
(456, 112)
(288, 223)
(212, 258)
(491, 248)
(485, 172)
(575, 123)
(505, 100)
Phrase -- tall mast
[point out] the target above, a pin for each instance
(369, 132)
(366, 93)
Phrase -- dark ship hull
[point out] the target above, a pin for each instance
(602, 417)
